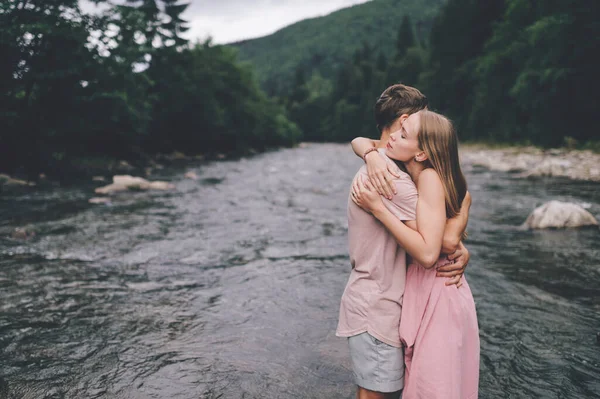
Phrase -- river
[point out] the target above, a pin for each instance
(229, 286)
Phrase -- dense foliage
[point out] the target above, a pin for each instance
(517, 70)
(503, 70)
(323, 45)
(121, 82)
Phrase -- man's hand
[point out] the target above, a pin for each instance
(381, 175)
(455, 270)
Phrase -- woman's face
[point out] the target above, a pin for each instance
(403, 144)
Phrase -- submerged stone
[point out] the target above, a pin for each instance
(557, 214)
(126, 182)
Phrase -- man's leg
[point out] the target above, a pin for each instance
(363, 393)
(378, 367)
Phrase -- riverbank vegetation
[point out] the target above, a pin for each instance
(506, 71)
(121, 83)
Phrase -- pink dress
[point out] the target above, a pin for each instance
(439, 330)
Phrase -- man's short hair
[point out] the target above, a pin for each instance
(395, 101)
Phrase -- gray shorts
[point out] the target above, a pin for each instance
(377, 366)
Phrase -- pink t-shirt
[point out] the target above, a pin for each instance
(372, 300)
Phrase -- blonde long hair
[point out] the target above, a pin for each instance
(438, 140)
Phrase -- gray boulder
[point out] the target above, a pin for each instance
(99, 200)
(21, 233)
(557, 214)
(126, 182)
(6, 180)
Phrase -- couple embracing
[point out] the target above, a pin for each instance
(407, 310)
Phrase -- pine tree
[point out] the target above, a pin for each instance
(406, 37)
(381, 63)
(299, 92)
(145, 27)
(172, 29)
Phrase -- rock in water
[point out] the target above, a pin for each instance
(21, 233)
(9, 181)
(557, 214)
(191, 175)
(99, 200)
(126, 182)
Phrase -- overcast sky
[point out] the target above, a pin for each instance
(232, 20)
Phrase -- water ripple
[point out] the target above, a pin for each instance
(229, 286)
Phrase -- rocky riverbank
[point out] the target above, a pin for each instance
(535, 162)
(101, 170)
(523, 161)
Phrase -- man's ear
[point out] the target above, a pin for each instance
(421, 157)
(403, 118)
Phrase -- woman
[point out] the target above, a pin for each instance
(439, 322)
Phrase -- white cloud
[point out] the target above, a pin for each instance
(250, 19)
(227, 21)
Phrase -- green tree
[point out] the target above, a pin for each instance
(449, 77)
(120, 84)
(205, 101)
(382, 62)
(406, 37)
(43, 61)
(299, 91)
(534, 76)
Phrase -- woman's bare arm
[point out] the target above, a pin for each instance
(461, 257)
(455, 227)
(362, 144)
(423, 245)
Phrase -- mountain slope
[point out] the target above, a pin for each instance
(322, 44)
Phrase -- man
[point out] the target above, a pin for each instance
(371, 305)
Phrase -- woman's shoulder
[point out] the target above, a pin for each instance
(429, 180)
(429, 175)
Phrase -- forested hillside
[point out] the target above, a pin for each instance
(124, 84)
(508, 71)
(324, 44)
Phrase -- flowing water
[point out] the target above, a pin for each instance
(229, 286)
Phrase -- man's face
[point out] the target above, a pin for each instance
(385, 136)
(403, 144)
(397, 124)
